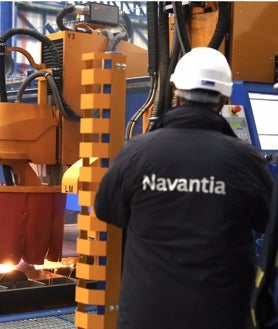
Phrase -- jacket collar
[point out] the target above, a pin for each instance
(194, 117)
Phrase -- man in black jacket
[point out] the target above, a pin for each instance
(190, 196)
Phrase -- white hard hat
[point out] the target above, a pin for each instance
(203, 68)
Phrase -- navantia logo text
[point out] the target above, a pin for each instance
(204, 185)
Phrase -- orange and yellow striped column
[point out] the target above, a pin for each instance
(99, 244)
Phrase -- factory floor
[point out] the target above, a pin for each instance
(60, 318)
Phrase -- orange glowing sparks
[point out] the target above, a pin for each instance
(7, 267)
(54, 265)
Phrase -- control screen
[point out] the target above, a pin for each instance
(265, 112)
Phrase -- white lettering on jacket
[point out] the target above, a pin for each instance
(203, 185)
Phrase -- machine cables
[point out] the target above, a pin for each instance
(152, 21)
(54, 89)
(125, 26)
(8, 34)
(124, 33)
(59, 18)
(181, 45)
(3, 90)
(158, 50)
(181, 14)
(222, 26)
(65, 109)
(161, 63)
(167, 61)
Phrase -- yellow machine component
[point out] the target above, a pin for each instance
(28, 134)
(26, 131)
(253, 40)
(102, 131)
(23, 173)
(70, 180)
(28, 56)
(73, 45)
(202, 24)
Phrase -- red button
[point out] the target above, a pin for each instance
(236, 109)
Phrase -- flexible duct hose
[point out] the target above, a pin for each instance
(150, 99)
(59, 103)
(182, 14)
(69, 113)
(3, 91)
(126, 22)
(37, 35)
(175, 54)
(222, 26)
(143, 109)
(113, 40)
(8, 34)
(122, 35)
(163, 29)
(152, 22)
(181, 46)
(61, 15)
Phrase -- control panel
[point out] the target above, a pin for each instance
(235, 115)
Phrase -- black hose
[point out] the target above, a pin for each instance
(9, 64)
(175, 54)
(182, 14)
(8, 34)
(109, 34)
(58, 100)
(3, 90)
(153, 59)
(143, 109)
(59, 18)
(113, 40)
(223, 24)
(37, 35)
(69, 113)
(121, 35)
(25, 84)
(163, 30)
(152, 21)
(126, 23)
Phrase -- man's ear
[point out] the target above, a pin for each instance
(180, 101)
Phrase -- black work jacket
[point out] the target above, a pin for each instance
(189, 194)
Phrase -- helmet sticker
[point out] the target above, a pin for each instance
(207, 83)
